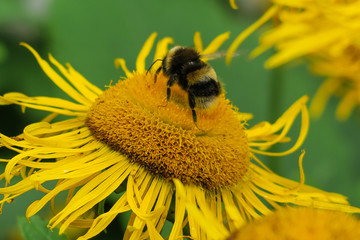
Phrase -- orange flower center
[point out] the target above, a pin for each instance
(134, 118)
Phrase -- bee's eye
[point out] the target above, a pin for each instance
(191, 62)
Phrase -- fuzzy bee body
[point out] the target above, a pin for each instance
(184, 67)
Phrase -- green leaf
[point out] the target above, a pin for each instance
(37, 229)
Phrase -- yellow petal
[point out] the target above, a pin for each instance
(242, 36)
(144, 52)
(120, 62)
(322, 96)
(347, 105)
(216, 43)
(284, 122)
(198, 42)
(56, 78)
(233, 4)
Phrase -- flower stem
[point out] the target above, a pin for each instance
(275, 100)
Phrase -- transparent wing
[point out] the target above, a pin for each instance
(219, 54)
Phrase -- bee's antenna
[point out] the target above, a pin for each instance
(153, 64)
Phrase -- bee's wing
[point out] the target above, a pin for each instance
(219, 54)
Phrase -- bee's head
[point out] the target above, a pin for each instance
(179, 56)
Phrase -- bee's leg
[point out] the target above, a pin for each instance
(157, 73)
(192, 105)
(169, 84)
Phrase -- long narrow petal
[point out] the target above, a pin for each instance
(284, 122)
(56, 78)
(120, 62)
(144, 52)
(242, 36)
(216, 43)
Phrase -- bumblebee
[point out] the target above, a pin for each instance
(184, 67)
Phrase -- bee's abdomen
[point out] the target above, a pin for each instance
(207, 88)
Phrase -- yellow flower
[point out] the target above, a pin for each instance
(327, 32)
(130, 136)
(343, 80)
(301, 224)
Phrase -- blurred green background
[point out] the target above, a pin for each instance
(91, 34)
